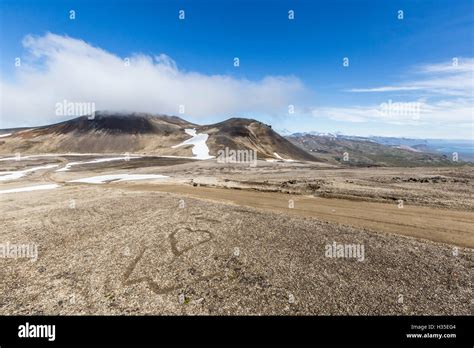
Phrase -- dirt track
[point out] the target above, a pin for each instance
(440, 225)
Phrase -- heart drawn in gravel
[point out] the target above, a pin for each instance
(185, 238)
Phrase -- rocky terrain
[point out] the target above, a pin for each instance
(159, 135)
(135, 251)
(212, 238)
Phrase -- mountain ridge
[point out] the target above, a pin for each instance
(158, 134)
(153, 134)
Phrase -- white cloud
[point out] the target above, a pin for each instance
(416, 113)
(58, 68)
(452, 78)
(386, 89)
(443, 91)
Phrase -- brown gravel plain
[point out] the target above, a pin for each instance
(218, 239)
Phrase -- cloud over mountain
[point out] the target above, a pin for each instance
(57, 68)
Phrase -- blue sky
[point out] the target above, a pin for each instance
(304, 56)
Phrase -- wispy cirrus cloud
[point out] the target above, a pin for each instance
(386, 89)
(445, 112)
(451, 78)
(441, 93)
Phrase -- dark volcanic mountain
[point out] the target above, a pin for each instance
(135, 123)
(243, 133)
(140, 133)
(148, 134)
(105, 133)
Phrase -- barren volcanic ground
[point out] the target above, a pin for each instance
(231, 239)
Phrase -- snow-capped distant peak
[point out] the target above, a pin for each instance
(318, 134)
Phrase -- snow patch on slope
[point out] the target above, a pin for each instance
(279, 158)
(13, 175)
(100, 160)
(102, 179)
(30, 188)
(200, 149)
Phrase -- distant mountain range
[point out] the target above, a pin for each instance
(367, 152)
(446, 147)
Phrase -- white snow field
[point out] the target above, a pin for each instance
(99, 160)
(30, 188)
(200, 149)
(279, 158)
(4, 176)
(102, 179)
